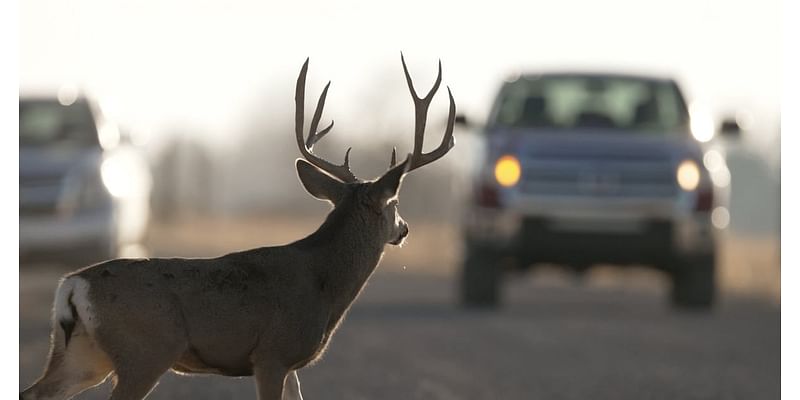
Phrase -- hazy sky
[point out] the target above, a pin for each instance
(157, 62)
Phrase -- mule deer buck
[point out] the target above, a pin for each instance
(265, 312)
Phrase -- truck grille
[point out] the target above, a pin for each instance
(607, 179)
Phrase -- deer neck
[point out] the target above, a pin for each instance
(345, 250)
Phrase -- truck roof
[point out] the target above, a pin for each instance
(532, 75)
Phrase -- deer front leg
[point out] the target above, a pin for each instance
(291, 387)
(270, 381)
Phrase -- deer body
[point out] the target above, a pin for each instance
(265, 312)
(217, 312)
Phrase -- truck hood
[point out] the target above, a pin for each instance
(54, 163)
(592, 145)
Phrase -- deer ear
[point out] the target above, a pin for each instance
(387, 186)
(319, 184)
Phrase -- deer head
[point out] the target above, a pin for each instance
(337, 184)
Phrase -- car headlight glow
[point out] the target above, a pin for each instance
(124, 175)
(507, 171)
(688, 175)
(701, 123)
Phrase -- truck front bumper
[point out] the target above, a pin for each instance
(592, 231)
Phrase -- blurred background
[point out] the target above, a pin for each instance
(166, 129)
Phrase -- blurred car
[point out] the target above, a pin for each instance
(79, 201)
(588, 168)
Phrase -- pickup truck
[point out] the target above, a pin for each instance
(590, 168)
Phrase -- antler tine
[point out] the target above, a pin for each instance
(448, 141)
(339, 171)
(313, 135)
(433, 90)
(421, 106)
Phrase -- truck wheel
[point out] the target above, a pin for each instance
(693, 282)
(480, 278)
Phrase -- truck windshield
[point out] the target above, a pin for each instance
(592, 102)
(44, 122)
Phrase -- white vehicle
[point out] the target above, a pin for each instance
(79, 201)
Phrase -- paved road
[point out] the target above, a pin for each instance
(404, 339)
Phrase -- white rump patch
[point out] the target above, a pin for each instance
(78, 288)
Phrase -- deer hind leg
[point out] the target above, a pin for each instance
(138, 365)
(137, 369)
(70, 370)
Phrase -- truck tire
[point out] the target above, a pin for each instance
(480, 279)
(693, 282)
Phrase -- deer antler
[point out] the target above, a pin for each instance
(421, 105)
(339, 171)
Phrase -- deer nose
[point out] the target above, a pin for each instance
(404, 231)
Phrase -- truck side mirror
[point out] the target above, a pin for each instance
(730, 128)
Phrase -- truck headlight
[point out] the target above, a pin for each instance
(507, 171)
(688, 175)
(125, 175)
